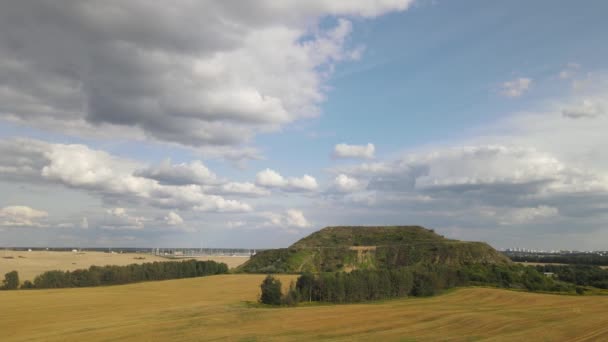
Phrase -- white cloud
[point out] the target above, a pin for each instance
(243, 189)
(305, 183)
(173, 219)
(194, 172)
(272, 179)
(295, 218)
(516, 87)
(344, 183)
(354, 151)
(291, 218)
(104, 175)
(21, 216)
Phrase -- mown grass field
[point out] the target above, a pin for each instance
(31, 264)
(216, 308)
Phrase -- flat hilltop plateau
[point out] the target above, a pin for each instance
(223, 308)
(31, 264)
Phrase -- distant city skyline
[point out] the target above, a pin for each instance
(252, 124)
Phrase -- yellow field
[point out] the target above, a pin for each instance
(215, 308)
(31, 264)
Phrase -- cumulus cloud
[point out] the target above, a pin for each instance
(296, 218)
(291, 218)
(173, 219)
(516, 87)
(344, 183)
(502, 184)
(246, 189)
(354, 151)
(272, 179)
(104, 175)
(194, 172)
(21, 216)
(490, 168)
(305, 183)
(200, 74)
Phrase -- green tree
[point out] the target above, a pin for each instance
(292, 297)
(305, 284)
(27, 285)
(11, 281)
(271, 291)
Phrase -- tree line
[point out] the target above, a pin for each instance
(572, 258)
(116, 275)
(583, 275)
(417, 281)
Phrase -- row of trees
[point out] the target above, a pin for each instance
(572, 258)
(115, 275)
(583, 275)
(420, 280)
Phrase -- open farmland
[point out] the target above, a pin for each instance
(217, 308)
(31, 264)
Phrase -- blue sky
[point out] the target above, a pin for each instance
(249, 127)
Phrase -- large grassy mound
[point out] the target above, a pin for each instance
(346, 248)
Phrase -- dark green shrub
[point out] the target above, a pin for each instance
(271, 291)
(11, 281)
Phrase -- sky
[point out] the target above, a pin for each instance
(253, 124)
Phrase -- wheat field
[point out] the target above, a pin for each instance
(222, 308)
(31, 264)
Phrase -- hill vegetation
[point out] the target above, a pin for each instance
(348, 248)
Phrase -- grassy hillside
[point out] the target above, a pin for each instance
(368, 236)
(215, 308)
(347, 248)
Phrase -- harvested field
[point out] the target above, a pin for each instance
(216, 308)
(30, 264)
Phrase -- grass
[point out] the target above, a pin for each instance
(219, 308)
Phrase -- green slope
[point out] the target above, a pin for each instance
(347, 248)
